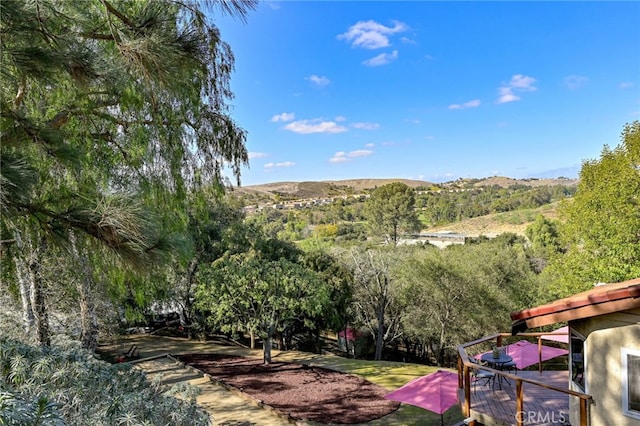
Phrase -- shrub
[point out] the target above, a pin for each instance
(69, 386)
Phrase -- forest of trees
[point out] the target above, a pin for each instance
(344, 218)
(113, 203)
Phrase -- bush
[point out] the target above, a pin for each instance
(58, 386)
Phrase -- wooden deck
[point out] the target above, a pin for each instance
(495, 406)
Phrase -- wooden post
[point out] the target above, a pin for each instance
(460, 368)
(583, 412)
(499, 341)
(519, 403)
(540, 354)
(467, 392)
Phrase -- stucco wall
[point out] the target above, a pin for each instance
(605, 336)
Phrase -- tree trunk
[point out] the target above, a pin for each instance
(267, 343)
(441, 346)
(85, 287)
(380, 336)
(187, 285)
(253, 339)
(37, 295)
(22, 272)
(27, 309)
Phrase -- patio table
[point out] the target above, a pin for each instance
(497, 363)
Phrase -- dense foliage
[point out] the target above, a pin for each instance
(111, 112)
(446, 206)
(601, 224)
(348, 219)
(69, 386)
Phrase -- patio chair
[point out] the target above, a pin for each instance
(510, 366)
(479, 374)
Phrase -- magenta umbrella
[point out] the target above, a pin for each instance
(560, 335)
(434, 392)
(525, 353)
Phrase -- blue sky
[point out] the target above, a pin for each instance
(431, 90)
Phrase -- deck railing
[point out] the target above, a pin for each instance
(464, 378)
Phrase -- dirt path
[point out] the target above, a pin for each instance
(226, 406)
(229, 407)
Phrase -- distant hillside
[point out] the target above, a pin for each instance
(505, 182)
(494, 224)
(323, 189)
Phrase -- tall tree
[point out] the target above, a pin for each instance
(215, 227)
(247, 292)
(374, 295)
(391, 210)
(104, 97)
(601, 230)
(545, 242)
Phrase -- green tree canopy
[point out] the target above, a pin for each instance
(463, 292)
(391, 210)
(601, 230)
(100, 97)
(247, 292)
(110, 112)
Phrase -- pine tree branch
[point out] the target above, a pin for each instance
(119, 15)
(97, 36)
(22, 89)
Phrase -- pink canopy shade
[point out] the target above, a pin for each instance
(560, 335)
(434, 392)
(350, 332)
(525, 353)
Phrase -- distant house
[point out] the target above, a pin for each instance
(604, 348)
(439, 239)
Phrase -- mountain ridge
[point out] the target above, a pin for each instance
(332, 188)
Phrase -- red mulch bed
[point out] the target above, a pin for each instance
(304, 392)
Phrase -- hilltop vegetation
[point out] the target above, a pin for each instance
(471, 206)
(283, 191)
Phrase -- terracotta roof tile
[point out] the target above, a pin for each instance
(602, 299)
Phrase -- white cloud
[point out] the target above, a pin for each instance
(253, 155)
(274, 5)
(285, 116)
(518, 83)
(626, 85)
(574, 82)
(523, 82)
(319, 81)
(429, 57)
(365, 126)
(370, 145)
(360, 153)
(471, 104)
(371, 35)
(340, 118)
(281, 164)
(407, 40)
(339, 157)
(506, 95)
(413, 121)
(315, 126)
(344, 157)
(381, 59)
